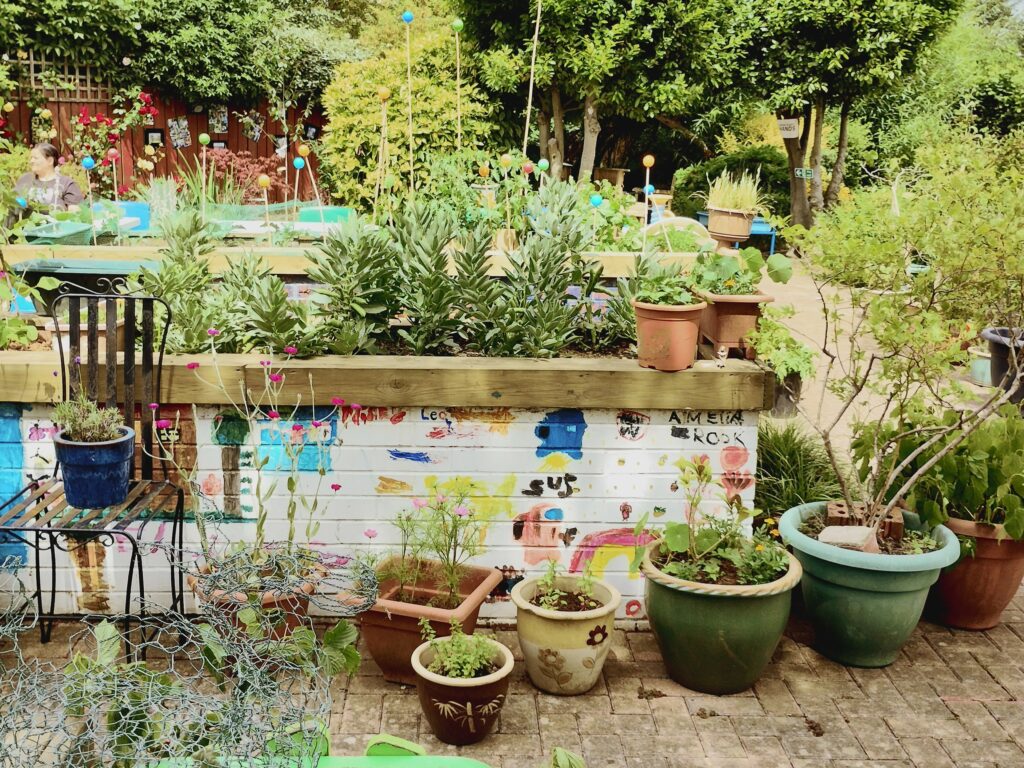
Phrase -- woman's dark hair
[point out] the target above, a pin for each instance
(48, 150)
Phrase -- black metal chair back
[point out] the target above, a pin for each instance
(143, 353)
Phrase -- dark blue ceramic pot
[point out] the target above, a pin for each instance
(96, 474)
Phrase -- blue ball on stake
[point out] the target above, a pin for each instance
(299, 163)
(649, 190)
(596, 200)
(407, 17)
(88, 163)
(21, 201)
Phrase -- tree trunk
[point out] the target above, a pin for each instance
(558, 120)
(839, 170)
(555, 158)
(591, 130)
(543, 130)
(799, 210)
(677, 125)
(817, 193)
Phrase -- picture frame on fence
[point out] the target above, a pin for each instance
(154, 137)
(180, 136)
(219, 119)
(310, 132)
(218, 144)
(281, 145)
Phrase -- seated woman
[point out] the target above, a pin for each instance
(44, 186)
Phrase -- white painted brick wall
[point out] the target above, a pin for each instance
(623, 470)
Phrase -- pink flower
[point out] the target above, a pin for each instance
(370, 533)
(337, 401)
(213, 332)
(316, 423)
(335, 487)
(192, 366)
(265, 363)
(276, 377)
(153, 406)
(297, 427)
(441, 499)
(355, 406)
(462, 511)
(273, 415)
(290, 350)
(419, 503)
(342, 561)
(163, 424)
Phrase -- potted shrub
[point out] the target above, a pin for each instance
(667, 316)
(730, 285)
(793, 362)
(462, 683)
(565, 625)
(427, 579)
(718, 599)
(732, 204)
(95, 451)
(977, 491)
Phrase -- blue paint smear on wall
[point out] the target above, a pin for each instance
(554, 514)
(12, 479)
(312, 457)
(561, 431)
(417, 456)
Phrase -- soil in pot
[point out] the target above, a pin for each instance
(974, 593)
(565, 649)
(96, 475)
(713, 638)
(863, 606)
(462, 711)
(391, 628)
(667, 335)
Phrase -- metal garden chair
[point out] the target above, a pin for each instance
(39, 515)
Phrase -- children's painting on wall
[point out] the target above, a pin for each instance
(180, 136)
(219, 119)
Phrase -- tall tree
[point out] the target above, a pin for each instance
(804, 58)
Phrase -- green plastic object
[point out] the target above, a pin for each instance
(864, 606)
(61, 268)
(386, 745)
(60, 233)
(333, 214)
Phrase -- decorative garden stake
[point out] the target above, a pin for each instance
(384, 93)
(204, 140)
(533, 70)
(648, 162)
(457, 25)
(303, 150)
(112, 156)
(407, 18)
(595, 202)
(88, 164)
(298, 163)
(264, 183)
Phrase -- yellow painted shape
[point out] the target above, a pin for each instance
(488, 501)
(391, 485)
(555, 462)
(604, 555)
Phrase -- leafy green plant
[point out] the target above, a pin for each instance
(792, 469)
(459, 655)
(481, 299)
(14, 328)
(728, 275)
(689, 182)
(656, 282)
(85, 422)
(736, 193)
(778, 348)
(709, 549)
(548, 594)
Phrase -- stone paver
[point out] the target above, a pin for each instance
(952, 700)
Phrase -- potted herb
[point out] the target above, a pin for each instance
(564, 623)
(730, 285)
(732, 203)
(95, 451)
(718, 599)
(977, 491)
(667, 315)
(429, 578)
(793, 362)
(462, 683)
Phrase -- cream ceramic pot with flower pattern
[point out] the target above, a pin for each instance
(565, 650)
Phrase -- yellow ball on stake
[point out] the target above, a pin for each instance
(303, 150)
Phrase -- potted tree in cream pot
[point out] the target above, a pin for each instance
(565, 625)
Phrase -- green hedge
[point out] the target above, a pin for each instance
(774, 178)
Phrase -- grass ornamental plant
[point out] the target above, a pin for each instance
(729, 192)
(85, 422)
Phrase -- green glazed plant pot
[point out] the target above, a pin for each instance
(864, 606)
(716, 638)
(565, 650)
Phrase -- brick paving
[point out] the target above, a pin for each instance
(952, 699)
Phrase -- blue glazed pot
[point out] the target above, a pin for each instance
(96, 474)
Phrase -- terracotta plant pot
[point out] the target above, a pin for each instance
(391, 629)
(565, 650)
(728, 225)
(974, 593)
(728, 319)
(462, 710)
(293, 605)
(667, 334)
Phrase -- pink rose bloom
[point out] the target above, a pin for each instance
(273, 414)
(462, 511)
(370, 533)
(192, 366)
(290, 350)
(419, 503)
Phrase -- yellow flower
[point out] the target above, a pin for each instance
(759, 548)
(775, 532)
(769, 521)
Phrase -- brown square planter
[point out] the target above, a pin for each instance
(391, 629)
(728, 319)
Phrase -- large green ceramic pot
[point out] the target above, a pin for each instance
(864, 606)
(716, 639)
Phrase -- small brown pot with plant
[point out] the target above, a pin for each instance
(564, 623)
(667, 316)
(428, 579)
(462, 682)
(732, 205)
